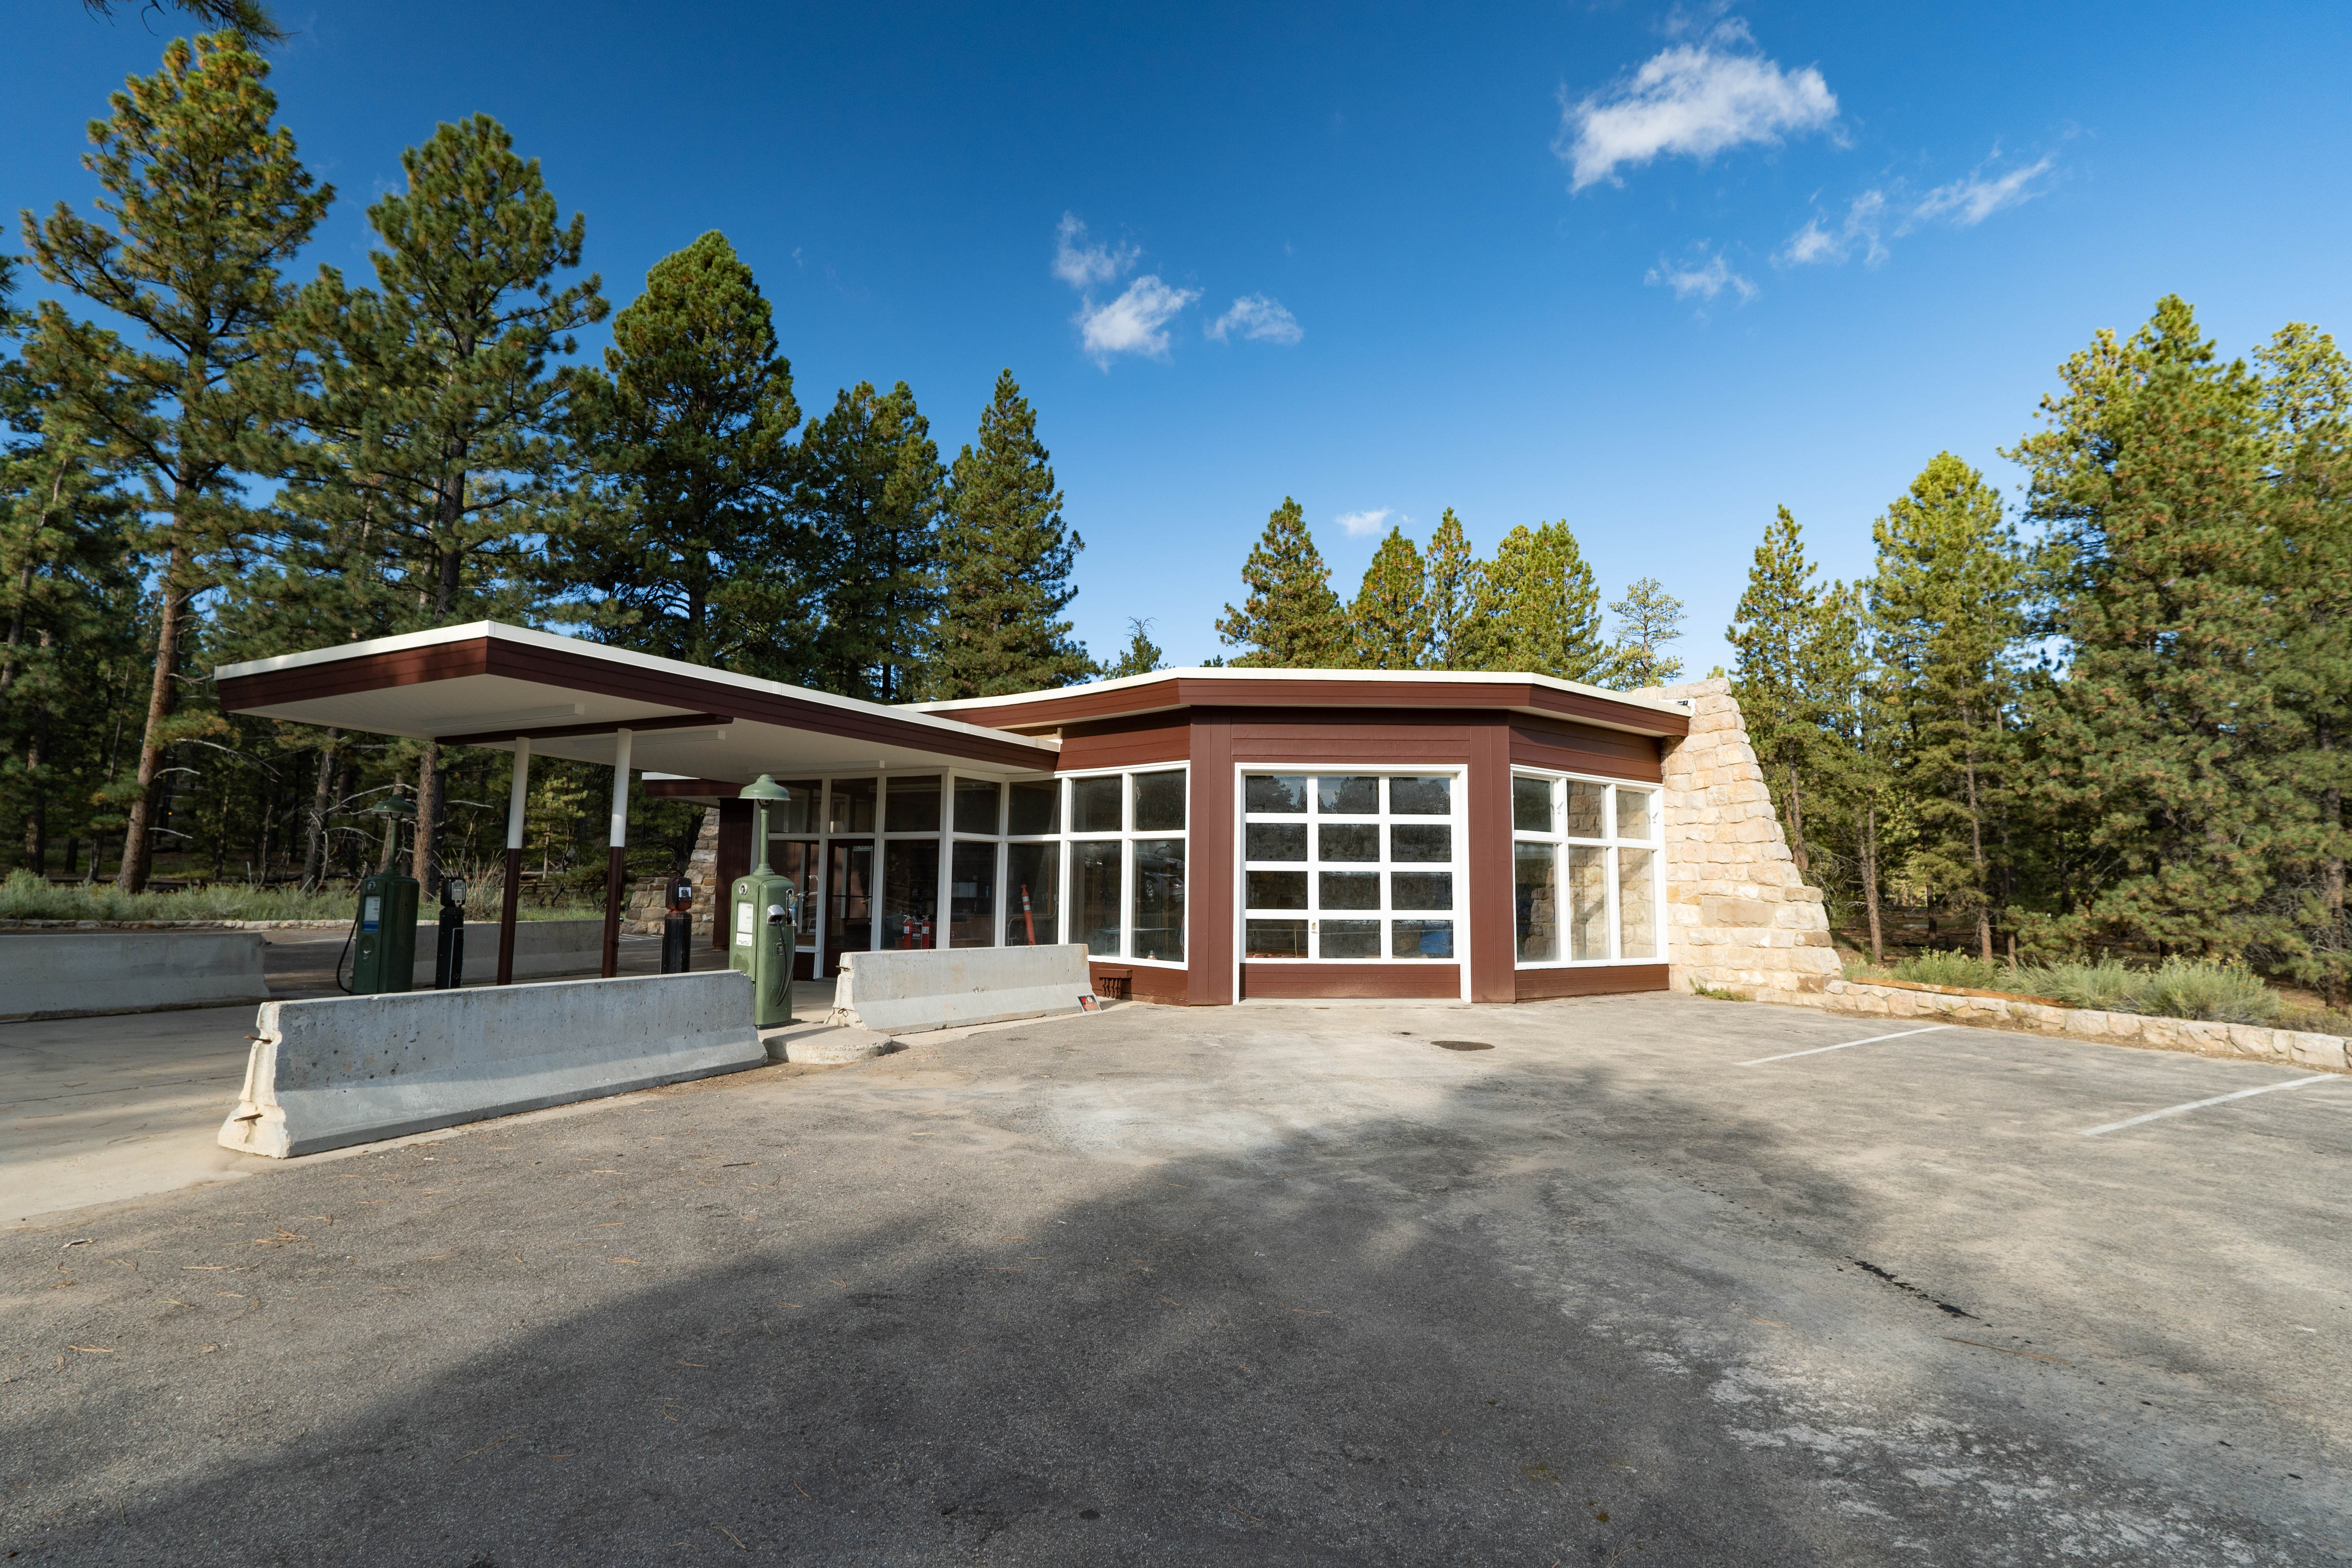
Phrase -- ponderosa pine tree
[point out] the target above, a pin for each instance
(687, 546)
(207, 200)
(1142, 656)
(869, 489)
(1390, 619)
(1462, 631)
(2170, 727)
(248, 19)
(438, 419)
(1545, 606)
(1005, 556)
(2307, 396)
(1291, 619)
(1648, 618)
(1789, 672)
(1948, 611)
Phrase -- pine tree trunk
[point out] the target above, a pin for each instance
(36, 821)
(1976, 852)
(1796, 820)
(15, 626)
(314, 841)
(1870, 879)
(424, 856)
(137, 845)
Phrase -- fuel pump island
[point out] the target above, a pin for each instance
(766, 919)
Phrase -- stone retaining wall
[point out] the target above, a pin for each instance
(2327, 1051)
(1739, 915)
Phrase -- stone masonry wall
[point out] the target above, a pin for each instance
(1738, 915)
(647, 910)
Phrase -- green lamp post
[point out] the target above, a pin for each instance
(765, 912)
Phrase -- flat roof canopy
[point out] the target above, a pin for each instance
(488, 684)
(1369, 692)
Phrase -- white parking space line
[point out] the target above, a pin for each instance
(2217, 1100)
(1842, 1045)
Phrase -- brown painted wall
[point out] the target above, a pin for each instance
(1340, 980)
(1584, 749)
(1209, 882)
(1488, 907)
(1216, 739)
(1145, 983)
(1125, 742)
(1536, 985)
(734, 859)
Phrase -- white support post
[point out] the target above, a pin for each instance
(616, 890)
(518, 797)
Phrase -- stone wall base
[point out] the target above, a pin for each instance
(2327, 1052)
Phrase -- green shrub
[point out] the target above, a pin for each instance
(1948, 968)
(2229, 993)
(2106, 987)
(26, 897)
(2180, 988)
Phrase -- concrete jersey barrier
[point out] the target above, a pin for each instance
(76, 974)
(937, 988)
(352, 1070)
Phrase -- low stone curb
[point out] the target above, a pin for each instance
(1991, 1010)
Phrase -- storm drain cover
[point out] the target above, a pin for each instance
(1462, 1045)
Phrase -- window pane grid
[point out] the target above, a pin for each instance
(1585, 870)
(1355, 867)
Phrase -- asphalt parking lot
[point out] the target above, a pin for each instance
(1635, 1283)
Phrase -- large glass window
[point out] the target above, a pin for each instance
(1032, 894)
(910, 892)
(1127, 846)
(948, 860)
(1585, 870)
(971, 895)
(1094, 894)
(1352, 867)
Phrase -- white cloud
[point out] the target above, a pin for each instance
(1705, 281)
(1697, 99)
(1081, 265)
(1133, 323)
(1362, 524)
(1969, 202)
(1865, 221)
(1878, 215)
(1256, 316)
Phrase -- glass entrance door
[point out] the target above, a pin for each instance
(797, 858)
(848, 902)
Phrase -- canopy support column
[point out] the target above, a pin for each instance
(518, 795)
(616, 889)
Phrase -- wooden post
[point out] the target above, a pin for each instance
(615, 888)
(518, 795)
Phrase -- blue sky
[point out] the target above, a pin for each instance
(1655, 270)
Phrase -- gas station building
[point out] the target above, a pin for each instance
(1209, 835)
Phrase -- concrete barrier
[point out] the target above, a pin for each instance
(74, 975)
(891, 992)
(541, 948)
(352, 1070)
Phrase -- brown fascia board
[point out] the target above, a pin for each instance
(584, 672)
(1048, 712)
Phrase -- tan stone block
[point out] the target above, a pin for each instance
(2318, 1050)
(2203, 1033)
(2252, 1040)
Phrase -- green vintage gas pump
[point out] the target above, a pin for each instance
(384, 930)
(384, 956)
(765, 918)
